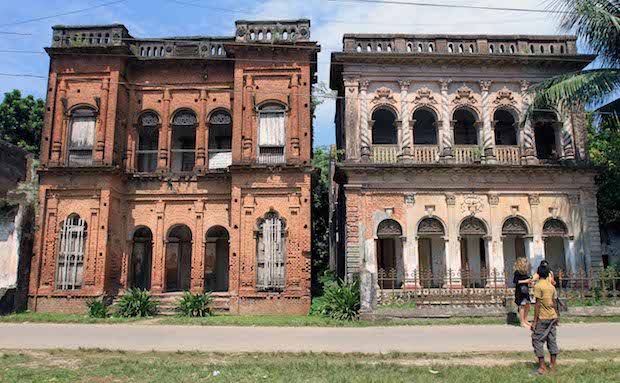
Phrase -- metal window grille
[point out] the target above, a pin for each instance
(70, 263)
(271, 254)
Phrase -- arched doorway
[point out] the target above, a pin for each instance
(465, 130)
(389, 250)
(473, 251)
(425, 128)
(555, 234)
(514, 231)
(505, 128)
(216, 259)
(178, 258)
(141, 259)
(431, 252)
(546, 135)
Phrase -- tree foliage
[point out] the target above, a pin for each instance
(21, 120)
(597, 24)
(604, 138)
(320, 212)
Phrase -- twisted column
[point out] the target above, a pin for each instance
(405, 142)
(528, 143)
(566, 133)
(364, 133)
(446, 135)
(488, 141)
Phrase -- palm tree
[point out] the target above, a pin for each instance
(597, 24)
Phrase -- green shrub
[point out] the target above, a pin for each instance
(97, 307)
(340, 301)
(195, 305)
(137, 303)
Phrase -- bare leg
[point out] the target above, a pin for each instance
(552, 363)
(522, 315)
(541, 365)
(526, 313)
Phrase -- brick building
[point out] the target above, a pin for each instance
(174, 164)
(440, 178)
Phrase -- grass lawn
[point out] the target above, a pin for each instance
(61, 318)
(110, 366)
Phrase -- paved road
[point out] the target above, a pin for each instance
(238, 339)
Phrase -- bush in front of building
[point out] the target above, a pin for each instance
(97, 307)
(340, 301)
(137, 303)
(195, 305)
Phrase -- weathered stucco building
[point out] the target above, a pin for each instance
(439, 175)
(177, 164)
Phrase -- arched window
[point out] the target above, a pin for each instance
(220, 140)
(505, 129)
(183, 149)
(553, 227)
(389, 246)
(545, 125)
(178, 258)
(216, 259)
(148, 142)
(384, 131)
(271, 133)
(473, 251)
(71, 251)
(81, 137)
(472, 226)
(425, 129)
(450, 48)
(271, 252)
(514, 226)
(465, 131)
(430, 226)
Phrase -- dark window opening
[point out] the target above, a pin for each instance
(425, 129)
(384, 131)
(465, 131)
(505, 129)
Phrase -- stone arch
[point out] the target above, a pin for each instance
(185, 109)
(217, 248)
(466, 121)
(138, 116)
(384, 129)
(425, 130)
(472, 225)
(389, 228)
(555, 227)
(271, 103)
(82, 105)
(515, 225)
(505, 120)
(430, 226)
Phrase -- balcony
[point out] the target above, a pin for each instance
(271, 155)
(508, 154)
(466, 154)
(385, 154)
(425, 154)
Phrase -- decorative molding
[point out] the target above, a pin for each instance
(424, 96)
(389, 228)
(450, 199)
(364, 85)
(472, 204)
(383, 95)
(404, 85)
(444, 85)
(464, 96)
(554, 228)
(514, 226)
(430, 226)
(493, 199)
(534, 199)
(525, 85)
(472, 226)
(485, 85)
(505, 98)
(409, 199)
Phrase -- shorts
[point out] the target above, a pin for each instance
(524, 301)
(545, 331)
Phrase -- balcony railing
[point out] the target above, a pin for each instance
(385, 154)
(466, 154)
(508, 154)
(426, 154)
(271, 155)
(220, 159)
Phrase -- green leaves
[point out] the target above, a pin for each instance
(137, 303)
(195, 305)
(21, 120)
(340, 301)
(97, 307)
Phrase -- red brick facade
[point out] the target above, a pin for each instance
(105, 70)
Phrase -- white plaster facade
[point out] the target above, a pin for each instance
(550, 183)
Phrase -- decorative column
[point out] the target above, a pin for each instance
(162, 164)
(197, 273)
(351, 119)
(158, 257)
(453, 248)
(405, 137)
(488, 138)
(201, 162)
(59, 121)
(537, 248)
(364, 128)
(447, 136)
(411, 257)
(100, 129)
(566, 135)
(494, 244)
(528, 144)
(294, 122)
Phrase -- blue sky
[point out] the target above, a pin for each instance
(330, 20)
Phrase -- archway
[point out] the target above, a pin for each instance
(555, 234)
(216, 259)
(505, 129)
(178, 258)
(389, 250)
(473, 252)
(431, 252)
(425, 128)
(141, 259)
(514, 231)
(465, 130)
(546, 135)
(384, 131)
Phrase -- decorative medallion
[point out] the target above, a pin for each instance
(534, 199)
(472, 204)
(472, 226)
(424, 96)
(505, 98)
(221, 118)
(389, 228)
(409, 199)
(514, 226)
(493, 199)
(430, 226)
(383, 95)
(464, 95)
(554, 228)
(450, 199)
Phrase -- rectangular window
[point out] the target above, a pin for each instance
(271, 255)
(81, 140)
(271, 136)
(71, 246)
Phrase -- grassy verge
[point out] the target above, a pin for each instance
(109, 366)
(274, 321)
(61, 318)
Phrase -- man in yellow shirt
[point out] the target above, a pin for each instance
(545, 321)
